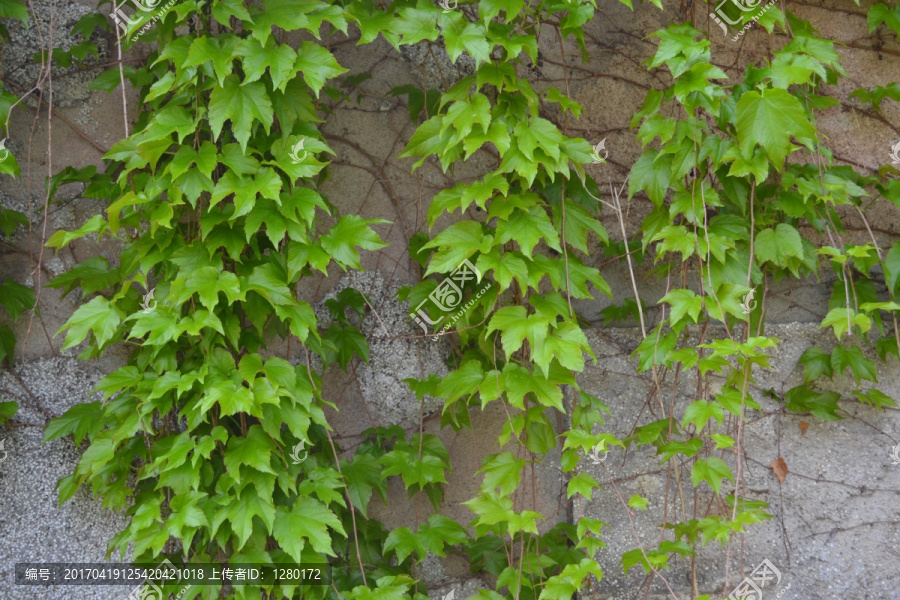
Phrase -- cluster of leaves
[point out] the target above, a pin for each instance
(726, 203)
(215, 214)
(15, 298)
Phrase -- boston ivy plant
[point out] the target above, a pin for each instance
(215, 201)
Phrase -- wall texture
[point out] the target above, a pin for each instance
(835, 528)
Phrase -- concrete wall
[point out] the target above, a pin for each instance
(835, 529)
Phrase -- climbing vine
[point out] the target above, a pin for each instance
(215, 201)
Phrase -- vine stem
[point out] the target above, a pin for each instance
(621, 216)
(890, 292)
(121, 73)
(337, 465)
(747, 365)
(637, 537)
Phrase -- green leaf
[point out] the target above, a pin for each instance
(583, 484)
(699, 412)
(14, 9)
(242, 105)
(463, 36)
(363, 475)
(876, 398)
(16, 298)
(521, 381)
(307, 519)
(318, 65)
(98, 316)
(441, 532)
(862, 367)
(684, 302)
(349, 232)
(779, 245)
(416, 24)
(842, 319)
(502, 471)
(79, 420)
(7, 410)
(488, 9)
(769, 118)
(280, 59)
(816, 363)
(638, 502)
(517, 326)
(240, 514)
(253, 451)
(464, 381)
(527, 229)
(218, 50)
(711, 470)
(403, 542)
(892, 268)
(349, 342)
(823, 405)
(455, 244)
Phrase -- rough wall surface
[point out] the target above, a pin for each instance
(835, 525)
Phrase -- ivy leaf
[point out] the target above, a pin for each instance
(242, 105)
(700, 412)
(567, 344)
(711, 470)
(416, 24)
(363, 475)
(464, 381)
(318, 65)
(881, 13)
(98, 316)
(351, 231)
(502, 471)
(253, 451)
(455, 244)
(769, 118)
(462, 35)
(488, 9)
(403, 542)
(842, 319)
(892, 267)
(279, 58)
(652, 173)
(806, 399)
(349, 342)
(527, 229)
(16, 298)
(516, 326)
(538, 133)
(684, 302)
(860, 366)
(439, 532)
(638, 502)
(582, 484)
(779, 245)
(521, 381)
(79, 420)
(14, 10)
(816, 363)
(307, 519)
(876, 398)
(219, 50)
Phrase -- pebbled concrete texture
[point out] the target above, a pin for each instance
(33, 528)
(834, 527)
